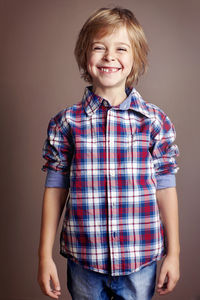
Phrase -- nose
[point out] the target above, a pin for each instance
(109, 56)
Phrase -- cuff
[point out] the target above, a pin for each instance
(165, 181)
(56, 179)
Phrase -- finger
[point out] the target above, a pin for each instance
(170, 285)
(161, 279)
(56, 284)
(47, 290)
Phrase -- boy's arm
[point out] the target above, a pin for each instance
(53, 203)
(168, 206)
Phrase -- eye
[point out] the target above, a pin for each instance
(122, 49)
(98, 48)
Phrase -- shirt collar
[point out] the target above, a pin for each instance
(134, 101)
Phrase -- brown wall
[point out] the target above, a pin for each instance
(39, 77)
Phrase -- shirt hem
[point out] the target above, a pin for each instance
(157, 258)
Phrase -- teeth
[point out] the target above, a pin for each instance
(109, 69)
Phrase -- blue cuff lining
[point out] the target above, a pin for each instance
(166, 181)
(56, 179)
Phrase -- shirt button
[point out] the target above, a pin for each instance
(112, 173)
(129, 141)
(116, 255)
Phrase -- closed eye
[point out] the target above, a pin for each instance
(121, 49)
(98, 48)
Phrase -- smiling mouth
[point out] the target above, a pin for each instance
(108, 69)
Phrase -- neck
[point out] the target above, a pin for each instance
(114, 96)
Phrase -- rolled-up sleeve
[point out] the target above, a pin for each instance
(165, 181)
(58, 147)
(56, 179)
(163, 149)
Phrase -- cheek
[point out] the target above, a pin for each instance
(129, 64)
(89, 68)
(91, 59)
(90, 63)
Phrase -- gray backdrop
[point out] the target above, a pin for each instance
(39, 77)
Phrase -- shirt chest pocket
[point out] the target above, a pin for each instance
(138, 148)
(89, 150)
(140, 159)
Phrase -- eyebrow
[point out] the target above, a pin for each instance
(118, 43)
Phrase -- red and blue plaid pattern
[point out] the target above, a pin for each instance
(111, 157)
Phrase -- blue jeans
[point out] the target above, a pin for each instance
(84, 284)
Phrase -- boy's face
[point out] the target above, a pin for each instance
(110, 59)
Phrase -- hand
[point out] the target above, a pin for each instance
(47, 272)
(169, 274)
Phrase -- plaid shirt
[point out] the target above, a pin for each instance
(111, 157)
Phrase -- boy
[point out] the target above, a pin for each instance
(111, 156)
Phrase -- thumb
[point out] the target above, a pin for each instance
(161, 278)
(55, 282)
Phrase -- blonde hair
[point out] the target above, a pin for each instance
(103, 22)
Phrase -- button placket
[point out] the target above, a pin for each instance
(111, 165)
(112, 173)
(112, 142)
